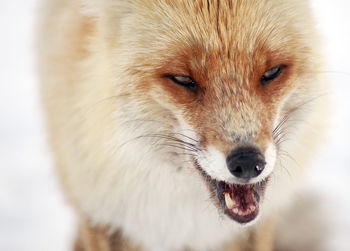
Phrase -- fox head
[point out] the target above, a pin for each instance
(218, 82)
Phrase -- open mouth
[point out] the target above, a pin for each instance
(240, 202)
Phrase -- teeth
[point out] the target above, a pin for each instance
(243, 213)
(229, 202)
(232, 205)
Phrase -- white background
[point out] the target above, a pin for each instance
(33, 213)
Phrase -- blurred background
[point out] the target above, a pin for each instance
(33, 213)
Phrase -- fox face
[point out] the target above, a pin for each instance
(229, 75)
(174, 122)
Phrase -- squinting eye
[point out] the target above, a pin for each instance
(185, 81)
(271, 74)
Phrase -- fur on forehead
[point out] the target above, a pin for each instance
(224, 25)
(223, 18)
(160, 30)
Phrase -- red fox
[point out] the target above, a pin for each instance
(180, 124)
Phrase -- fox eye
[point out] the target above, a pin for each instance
(271, 74)
(185, 81)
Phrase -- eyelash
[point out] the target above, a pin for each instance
(274, 75)
(191, 84)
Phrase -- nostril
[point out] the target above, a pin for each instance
(237, 171)
(260, 167)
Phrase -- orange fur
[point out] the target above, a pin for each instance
(112, 111)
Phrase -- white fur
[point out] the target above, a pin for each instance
(181, 200)
(138, 185)
(214, 164)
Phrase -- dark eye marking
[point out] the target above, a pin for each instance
(272, 74)
(185, 81)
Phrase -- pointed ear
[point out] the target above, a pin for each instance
(96, 7)
(91, 7)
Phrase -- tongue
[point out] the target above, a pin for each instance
(243, 195)
(240, 202)
(240, 197)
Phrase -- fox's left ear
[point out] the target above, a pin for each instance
(90, 7)
(109, 12)
(99, 7)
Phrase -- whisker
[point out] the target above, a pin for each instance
(179, 147)
(188, 137)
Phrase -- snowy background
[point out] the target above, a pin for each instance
(33, 213)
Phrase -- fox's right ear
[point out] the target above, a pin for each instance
(96, 7)
(90, 7)
(110, 11)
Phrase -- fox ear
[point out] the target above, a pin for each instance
(90, 7)
(96, 7)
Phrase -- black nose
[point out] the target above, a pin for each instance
(246, 162)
